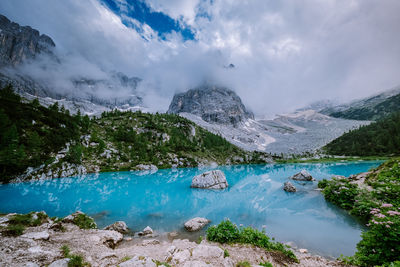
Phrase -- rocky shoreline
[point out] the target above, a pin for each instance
(42, 245)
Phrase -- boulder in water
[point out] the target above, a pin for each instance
(210, 180)
(302, 176)
(289, 187)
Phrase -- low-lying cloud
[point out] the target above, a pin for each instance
(286, 53)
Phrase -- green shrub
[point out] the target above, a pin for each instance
(227, 232)
(14, 230)
(76, 261)
(226, 253)
(84, 222)
(65, 251)
(381, 243)
(340, 192)
(243, 264)
(266, 264)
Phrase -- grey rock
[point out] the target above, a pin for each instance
(18, 43)
(302, 176)
(213, 104)
(196, 224)
(138, 261)
(60, 263)
(289, 187)
(119, 226)
(207, 251)
(210, 180)
(31, 264)
(37, 235)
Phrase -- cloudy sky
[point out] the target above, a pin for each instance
(286, 53)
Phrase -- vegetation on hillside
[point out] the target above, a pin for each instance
(32, 135)
(377, 203)
(380, 138)
(373, 112)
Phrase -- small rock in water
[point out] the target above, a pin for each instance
(302, 176)
(196, 224)
(210, 180)
(119, 226)
(146, 231)
(289, 187)
(303, 250)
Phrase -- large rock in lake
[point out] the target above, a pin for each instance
(302, 176)
(210, 180)
(213, 104)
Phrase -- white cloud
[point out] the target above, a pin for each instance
(286, 53)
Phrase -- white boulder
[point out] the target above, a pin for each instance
(37, 235)
(207, 251)
(196, 224)
(146, 231)
(210, 180)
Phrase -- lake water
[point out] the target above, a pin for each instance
(164, 201)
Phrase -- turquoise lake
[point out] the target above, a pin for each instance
(164, 201)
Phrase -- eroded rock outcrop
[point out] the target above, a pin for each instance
(210, 180)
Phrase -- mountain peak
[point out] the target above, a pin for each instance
(213, 104)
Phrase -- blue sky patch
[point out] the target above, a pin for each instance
(140, 11)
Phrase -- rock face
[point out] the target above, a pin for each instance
(196, 224)
(210, 180)
(213, 104)
(119, 226)
(19, 43)
(302, 176)
(289, 187)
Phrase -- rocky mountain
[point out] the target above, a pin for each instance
(221, 111)
(19, 44)
(212, 104)
(372, 108)
(22, 45)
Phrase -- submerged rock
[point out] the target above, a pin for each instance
(210, 180)
(302, 176)
(289, 187)
(196, 224)
(119, 226)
